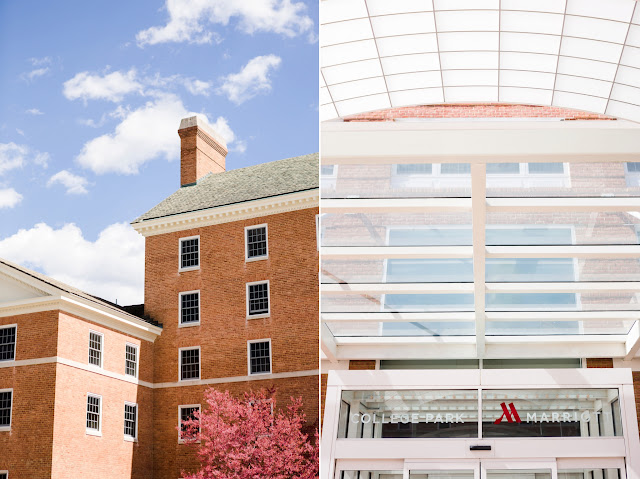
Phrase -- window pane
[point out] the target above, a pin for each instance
(455, 168)
(412, 169)
(186, 413)
(5, 408)
(190, 308)
(130, 418)
(503, 168)
(95, 349)
(131, 360)
(189, 253)
(7, 344)
(258, 298)
(257, 242)
(190, 366)
(260, 357)
(93, 413)
(633, 167)
(546, 168)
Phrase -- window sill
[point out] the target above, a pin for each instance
(188, 325)
(5, 428)
(130, 376)
(190, 380)
(255, 258)
(94, 367)
(190, 268)
(261, 374)
(257, 316)
(93, 432)
(182, 441)
(130, 439)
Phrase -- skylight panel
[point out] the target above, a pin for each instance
(528, 61)
(463, 20)
(527, 79)
(633, 38)
(423, 43)
(348, 52)
(587, 68)
(636, 16)
(342, 10)
(466, 4)
(411, 63)
(631, 57)
(403, 24)
(385, 7)
(628, 76)
(597, 29)
(583, 85)
(470, 77)
(529, 42)
(528, 22)
(352, 71)
(579, 102)
(407, 81)
(551, 6)
(577, 47)
(468, 41)
(458, 94)
(469, 60)
(525, 95)
(344, 91)
(623, 110)
(342, 32)
(417, 97)
(612, 9)
(327, 112)
(626, 93)
(324, 96)
(358, 105)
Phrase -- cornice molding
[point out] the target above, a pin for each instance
(226, 214)
(27, 285)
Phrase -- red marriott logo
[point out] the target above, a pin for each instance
(512, 416)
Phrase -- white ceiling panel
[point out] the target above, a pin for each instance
(342, 10)
(411, 63)
(469, 60)
(385, 7)
(392, 46)
(620, 10)
(550, 6)
(410, 81)
(342, 32)
(529, 96)
(344, 91)
(579, 102)
(470, 77)
(349, 52)
(465, 41)
(511, 78)
(595, 28)
(583, 85)
(417, 97)
(628, 76)
(403, 24)
(529, 42)
(466, 4)
(530, 22)
(626, 94)
(593, 49)
(352, 71)
(468, 94)
(467, 20)
(528, 62)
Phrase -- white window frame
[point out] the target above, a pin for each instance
(8, 428)
(180, 364)
(328, 182)
(15, 344)
(131, 438)
(101, 350)
(89, 431)
(137, 348)
(180, 408)
(246, 242)
(186, 325)
(6, 473)
(188, 268)
(265, 340)
(261, 315)
(318, 232)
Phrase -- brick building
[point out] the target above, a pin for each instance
(88, 388)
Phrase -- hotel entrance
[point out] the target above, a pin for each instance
(480, 424)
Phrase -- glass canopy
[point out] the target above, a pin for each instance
(378, 54)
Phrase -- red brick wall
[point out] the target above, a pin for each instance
(636, 387)
(476, 110)
(599, 362)
(292, 271)
(362, 364)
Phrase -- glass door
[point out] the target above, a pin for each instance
(481, 469)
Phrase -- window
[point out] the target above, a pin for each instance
(94, 411)
(6, 396)
(189, 253)
(4, 474)
(131, 360)
(328, 177)
(258, 299)
(414, 168)
(259, 356)
(184, 414)
(256, 243)
(190, 308)
(189, 364)
(130, 421)
(95, 348)
(8, 342)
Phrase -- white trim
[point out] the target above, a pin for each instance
(15, 343)
(131, 438)
(246, 242)
(101, 351)
(5, 472)
(188, 268)
(137, 348)
(186, 325)
(8, 428)
(91, 431)
(239, 379)
(252, 341)
(180, 364)
(261, 315)
(318, 232)
(225, 214)
(180, 407)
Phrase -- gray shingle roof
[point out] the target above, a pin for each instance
(59, 285)
(244, 184)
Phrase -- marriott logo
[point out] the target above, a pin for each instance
(511, 414)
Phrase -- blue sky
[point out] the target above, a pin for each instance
(92, 96)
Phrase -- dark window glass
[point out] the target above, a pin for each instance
(93, 413)
(190, 364)
(189, 256)
(186, 413)
(257, 242)
(131, 360)
(503, 168)
(258, 298)
(259, 356)
(327, 170)
(190, 308)
(413, 169)
(455, 168)
(130, 418)
(8, 344)
(5, 408)
(546, 168)
(95, 349)
(633, 167)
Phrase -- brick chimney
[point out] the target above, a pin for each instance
(202, 150)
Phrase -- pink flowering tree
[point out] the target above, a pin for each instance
(249, 438)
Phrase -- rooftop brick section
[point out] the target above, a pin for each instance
(599, 362)
(361, 364)
(474, 110)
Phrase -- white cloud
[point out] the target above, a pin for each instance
(112, 267)
(43, 65)
(9, 198)
(188, 19)
(75, 185)
(12, 156)
(34, 111)
(197, 87)
(36, 62)
(252, 80)
(112, 87)
(143, 135)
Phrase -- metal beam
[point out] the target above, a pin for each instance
(619, 287)
(633, 342)
(328, 344)
(395, 288)
(397, 252)
(556, 205)
(398, 317)
(396, 205)
(602, 252)
(479, 225)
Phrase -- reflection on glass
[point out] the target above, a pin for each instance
(461, 474)
(549, 413)
(413, 328)
(589, 474)
(518, 474)
(370, 475)
(408, 414)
